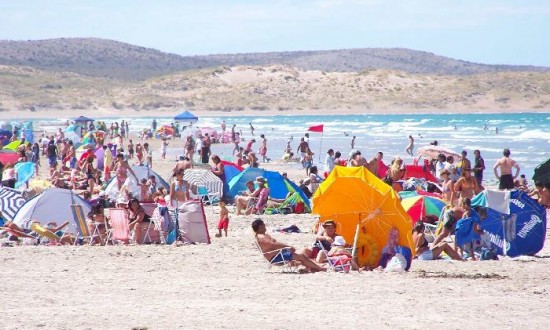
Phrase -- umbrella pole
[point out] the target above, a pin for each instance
(320, 147)
(356, 238)
(504, 235)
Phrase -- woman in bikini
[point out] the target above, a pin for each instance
(179, 190)
(121, 169)
(89, 171)
(139, 154)
(467, 185)
(97, 221)
(423, 250)
(448, 190)
(137, 216)
(189, 147)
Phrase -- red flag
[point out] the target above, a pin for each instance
(316, 128)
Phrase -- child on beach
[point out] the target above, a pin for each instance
(340, 256)
(224, 219)
(144, 190)
(308, 161)
(163, 146)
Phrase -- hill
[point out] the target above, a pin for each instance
(118, 60)
(272, 88)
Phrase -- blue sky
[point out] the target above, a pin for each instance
(484, 31)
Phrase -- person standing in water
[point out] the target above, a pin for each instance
(506, 180)
(410, 146)
(263, 149)
(353, 143)
(251, 129)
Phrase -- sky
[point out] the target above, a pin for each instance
(482, 31)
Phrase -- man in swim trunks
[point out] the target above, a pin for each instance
(506, 180)
(287, 253)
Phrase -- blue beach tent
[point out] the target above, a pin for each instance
(278, 186)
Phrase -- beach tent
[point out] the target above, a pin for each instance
(230, 170)
(278, 186)
(186, 117)
(25, 171)
(419, 172)
(141, 173)
(12, 145)
(210, 131)
(365, 210)
(8, 156)
(73, 133)
(54, 204)
(205, 177)
(515, 222)
(542, 172)
(6, 134)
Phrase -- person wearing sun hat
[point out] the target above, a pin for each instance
(242, 202)
(324, 239)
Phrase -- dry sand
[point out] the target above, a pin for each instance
(225, 285)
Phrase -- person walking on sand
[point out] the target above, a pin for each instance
(506, 180)
(303, 147)
(410, 146)
(263, 149)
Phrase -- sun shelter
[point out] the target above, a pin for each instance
(53, 205)
(205, 177)
(230, 170)
(365, 210)
(515, 222)
(142, 172)
(278, 186)
(186, 117)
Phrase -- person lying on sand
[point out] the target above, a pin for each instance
(270, 248)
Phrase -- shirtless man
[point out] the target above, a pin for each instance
(288, 253)
(303, 147)
(506, 180)
(374, 164)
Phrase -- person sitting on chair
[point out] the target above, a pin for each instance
(137, 215)
(325, 238)
(424, 252)
(277, 252)
(242, 201)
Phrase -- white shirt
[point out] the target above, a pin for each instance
(329, 163)
(439, 166)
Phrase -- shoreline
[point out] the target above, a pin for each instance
(109, 113)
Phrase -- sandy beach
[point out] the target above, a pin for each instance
(226, 285)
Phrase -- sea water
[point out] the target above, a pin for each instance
(527, 135)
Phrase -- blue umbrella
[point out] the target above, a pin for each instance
(521, 231)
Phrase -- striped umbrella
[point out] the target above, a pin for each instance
(419, 206)
(11, 201)
(202, 177)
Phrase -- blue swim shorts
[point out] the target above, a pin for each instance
(283, 255)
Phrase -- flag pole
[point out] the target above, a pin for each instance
(320, 146)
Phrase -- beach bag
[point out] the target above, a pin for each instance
(397, 264)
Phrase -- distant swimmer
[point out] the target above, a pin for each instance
(410, 146)
(353, 143)
(420, 136)
(346, 134)
(485, 127)
(496, 130)
(456, 128)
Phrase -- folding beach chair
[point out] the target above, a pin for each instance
(119, 230)
(206, 197)
(45, 236)
(285, 266)
(338, 264)
(81, 225)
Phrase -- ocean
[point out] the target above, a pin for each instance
(527, 135)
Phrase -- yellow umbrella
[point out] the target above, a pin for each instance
(365, 210)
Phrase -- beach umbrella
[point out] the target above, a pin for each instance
(419, 206)
(515, 223)
(83, 119)
(25, 171)
(8, 156)
(366, 211)
(542, 172)
(204, 177)
(433, 151)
